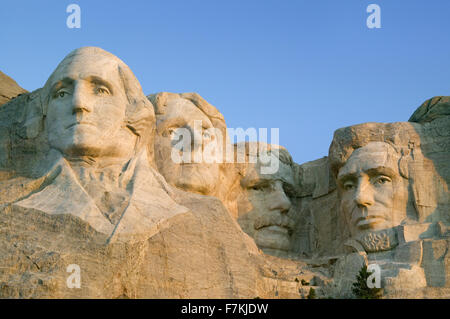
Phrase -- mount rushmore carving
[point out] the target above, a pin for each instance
(95, 173)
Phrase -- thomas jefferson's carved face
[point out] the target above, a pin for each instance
(373, 194)
(264, 208)
(182, 116)
(86, 109)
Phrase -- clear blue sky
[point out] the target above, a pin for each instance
(306, 67)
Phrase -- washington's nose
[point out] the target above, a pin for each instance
(279, 200)
(80, 102)
(364, 195)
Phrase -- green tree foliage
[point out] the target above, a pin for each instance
(311, 294)
(360, 289)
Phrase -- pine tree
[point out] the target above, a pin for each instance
(360, 289)
(311, 294)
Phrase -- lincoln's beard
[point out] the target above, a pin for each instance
(380, 240)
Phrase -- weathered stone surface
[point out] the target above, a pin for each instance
(83, 190)
(403, 278)
(431, 109)
(436, 262)
(191, 141)
(9, 89)
(344, 274)
(88, 178)
(195, 255)
(317, 230)
(266, 203)
(398, 172)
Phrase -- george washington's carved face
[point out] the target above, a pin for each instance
(86, 108)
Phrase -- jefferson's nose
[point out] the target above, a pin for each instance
(80, 100)
(196, 137)
(364, 194)
(279, 200)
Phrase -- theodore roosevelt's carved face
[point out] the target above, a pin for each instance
(264, 207)
(86, 108)
(373, 194)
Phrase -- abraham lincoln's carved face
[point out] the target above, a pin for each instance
(373, 193)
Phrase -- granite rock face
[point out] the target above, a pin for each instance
(80, 191)
(9, 89)
(266, 201)
(108, 193)
(392, 181)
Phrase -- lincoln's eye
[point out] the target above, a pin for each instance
(348, 186)
(382, 180)
(61, 94)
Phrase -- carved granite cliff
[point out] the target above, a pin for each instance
(9, 89)
(141, 193)
(190, 145)
(266, 200)
(392, 182)
(79, 186)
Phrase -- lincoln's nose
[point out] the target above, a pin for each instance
(364, 194)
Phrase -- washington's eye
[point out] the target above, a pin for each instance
(101, 90)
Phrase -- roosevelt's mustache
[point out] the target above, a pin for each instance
(274, 219)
